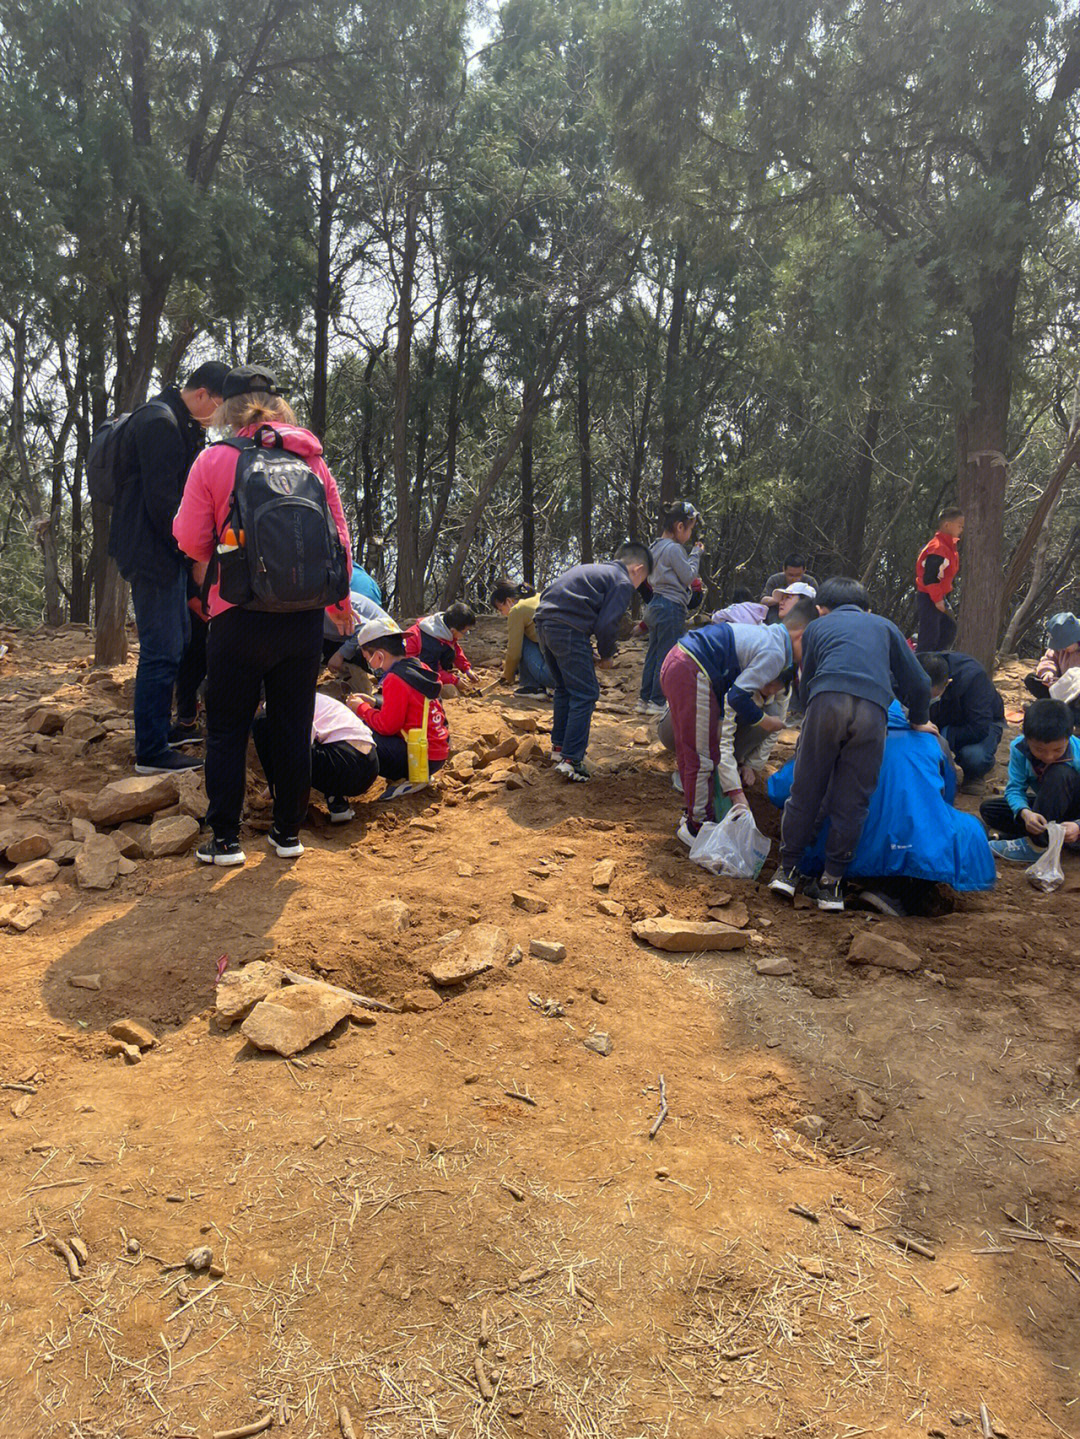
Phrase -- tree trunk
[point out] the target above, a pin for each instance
(982, 466)
(584, 438)
(637, 463)
(858, 505)
(669, 454)
(320, 357)
(410, 597)
(528, 497)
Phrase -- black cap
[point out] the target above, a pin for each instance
(246, 378)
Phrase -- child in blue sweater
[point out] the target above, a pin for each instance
(852, 663)
(1043, 785)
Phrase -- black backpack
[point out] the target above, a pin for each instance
(284, 552)
(107, 458)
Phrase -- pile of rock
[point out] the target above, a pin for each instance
(499, 757)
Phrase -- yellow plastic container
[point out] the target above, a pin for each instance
(416, 743)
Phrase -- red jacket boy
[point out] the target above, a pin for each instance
(935, 570)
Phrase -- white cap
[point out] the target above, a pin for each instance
(371, 631)
(800, 588)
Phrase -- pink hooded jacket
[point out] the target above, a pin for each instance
(204, 508)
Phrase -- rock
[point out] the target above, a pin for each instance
(599, 1043)
(463, 764)
(131, 840)
(126, 866)
(26, 918)
(46, 806)
(735, 914)
(517, 954)
(547, 949)
(391, 916)
(84, 981)
(465, 871)
(240, 990)
(171, 836)
(417, 1001)
(133, 798)
(867, 1107)
(869, 947)
(130, 1031)
(81, 725)
(21, 1105)
(199, 1260)
(35, 871)
(502, 750)
(688, 936)
(776, 964)
(193, 799)
(810, 1126)
(530, 903)
(812, 1266)
(611, 907)
(34, 845)
(116, 1047)
(528, 749)
(46, 720)
(480, 947)
(603, 873)
(65, 852)
(640, 736)
(97, 863)
(77, 803)
(521, 724)
(294, 1018)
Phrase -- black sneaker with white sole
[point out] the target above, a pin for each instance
(225, 852)
(168, 763)
(825, 893)
(285, 846)
(340, 811)
(183, 734)
(786, 881)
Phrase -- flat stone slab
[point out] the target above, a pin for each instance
(688, 936)
(294, 1018)
(240, 990)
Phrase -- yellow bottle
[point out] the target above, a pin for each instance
(416, 744)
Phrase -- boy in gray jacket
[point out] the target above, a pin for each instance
(672, 575)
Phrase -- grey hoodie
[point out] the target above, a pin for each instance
(673, 570)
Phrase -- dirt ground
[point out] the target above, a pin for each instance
(395, 1229)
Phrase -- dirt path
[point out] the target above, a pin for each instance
(397, 1232)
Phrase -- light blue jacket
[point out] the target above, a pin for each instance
(1023, 781)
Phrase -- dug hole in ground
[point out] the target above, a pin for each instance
(859, 1215)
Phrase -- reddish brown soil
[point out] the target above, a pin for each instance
(363, 1199)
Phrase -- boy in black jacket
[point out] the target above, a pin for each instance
(967, 710)
(587, 600)
(852, 663)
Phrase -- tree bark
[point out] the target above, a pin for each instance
(410, 597)
(528, 497)
(320, 357)
(669, 454)
(584, 438)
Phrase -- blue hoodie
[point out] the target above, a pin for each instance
(738, 660)
(852, 652)
(591, 599)
(911, 828)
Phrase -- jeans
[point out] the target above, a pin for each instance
(532, 667)
(163, 621)
(248, 651)
(837, 763)
(338, 770)
(192, 672)
(569, 658)
(1057, 797)
(937, 628)
(667, 622)
(973, 750)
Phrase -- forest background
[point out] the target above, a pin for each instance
(531, 272)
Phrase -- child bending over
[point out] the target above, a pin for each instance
(406, 686)
(1043, 785)
(343, 757)
(436, 642)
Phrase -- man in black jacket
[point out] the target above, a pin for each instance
(967, 710)
(161, 441)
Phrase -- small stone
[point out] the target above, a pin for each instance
(847, 1217)
(84, 981)
(131, 1053)
(867, 1107)
(688, 936)
(810, 1126)
(640, 737)
(480, 947)
(97, 863)
(663, 1173)
(240, 990)
(133, 798)
(35, 871)
(81, 725)
(463, 764)
(129, 1031)
(27, 847)
(65, 852)
(126, 866)
(547, 949)
(611, 907)
(79, 1249)
(597, 995)
(46, 721)
(565, 853)
(21, 1105)
(132, 1246)
(175, 835)
(130, 840)
(465, 871)
(869, 947)
(528, 749)
(392, 916)
(599, 1043)
(530, 903)
(603, 874)
(776, 964)
(522, 723)
(294, 1018)
(516, 955)
(417, 1001)
(26, 918)
(813, 1266)
(200, 1259)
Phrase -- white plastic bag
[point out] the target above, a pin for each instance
(734, 847)
(1046, 873)
(1067, 688)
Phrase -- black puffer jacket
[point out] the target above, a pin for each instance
(160, 444)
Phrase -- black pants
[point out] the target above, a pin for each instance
(394, 758)
(338, 770)
(841, 745)
(247, 651)
(937, 628)
(192, 672)
(1056, 798)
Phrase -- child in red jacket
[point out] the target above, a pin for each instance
(406, 685)
(436, 641)
(935, 570)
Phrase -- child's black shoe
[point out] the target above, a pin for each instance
(825, 893)
(786, 881)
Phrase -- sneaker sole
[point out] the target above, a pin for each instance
(343, 816)
(283, 851)
(781, 886)
(833, 906)
(167, 768)
(578, 778)
(180, 743)
(223, 861)
(399, 791)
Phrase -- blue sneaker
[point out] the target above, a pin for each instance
(1020, 851)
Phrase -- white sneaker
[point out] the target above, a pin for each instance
(564, 767)
(676, 782)
(643, 707)
(655, 710)
(683, 833)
